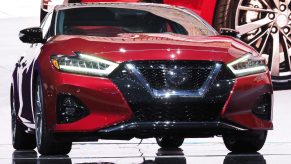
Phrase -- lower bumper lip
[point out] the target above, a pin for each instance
(129, 130)
(168, 126)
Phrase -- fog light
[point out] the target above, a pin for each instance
(263, 107)
(70, 109)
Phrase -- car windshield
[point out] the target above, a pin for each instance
(111, 20)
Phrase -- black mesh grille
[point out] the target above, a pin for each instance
(147, 107)
(194, 73)
(174, 112)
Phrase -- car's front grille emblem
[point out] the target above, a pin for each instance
(176, 76)
(165, 80)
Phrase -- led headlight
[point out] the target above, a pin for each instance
(247, 65)
(83, 64)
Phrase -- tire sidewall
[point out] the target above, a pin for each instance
(228, 13)
(251, 141)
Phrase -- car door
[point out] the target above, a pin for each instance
(25, 78)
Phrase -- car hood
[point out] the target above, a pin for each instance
(127, 47)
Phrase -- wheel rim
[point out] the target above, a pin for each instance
(266, 26)
(38, 113)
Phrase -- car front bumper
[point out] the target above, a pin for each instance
(112, 108)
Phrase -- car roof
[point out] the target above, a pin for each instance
(117, 4)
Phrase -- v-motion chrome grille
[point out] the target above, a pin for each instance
(174, 78)
(182, 91)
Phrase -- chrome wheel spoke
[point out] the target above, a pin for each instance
(286, 37)
(256, 9)
(285, 46)
(265, 42)
(277, 3)
(257, 37)
(243, 29)
(266, 25)
(275, 65)
(287, 54)
(287, 2)
(266, 4)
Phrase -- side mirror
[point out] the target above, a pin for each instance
(31, 35)
(229, 32)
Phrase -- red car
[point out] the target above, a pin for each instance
(137, 70)
(263, 24)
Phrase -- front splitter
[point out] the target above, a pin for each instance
(129, 130)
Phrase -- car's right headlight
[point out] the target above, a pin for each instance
(247, 65)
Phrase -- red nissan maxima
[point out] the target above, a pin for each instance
(125, 70)
(263, 24)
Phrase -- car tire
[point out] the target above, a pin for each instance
(169, 142)
(245, 142)
(225, 16)
(20, 139)
(45, 142)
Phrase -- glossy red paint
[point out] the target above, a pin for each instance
(106, 103)
(204, 8)
(141, 47)
(88, 1)
(246, 91)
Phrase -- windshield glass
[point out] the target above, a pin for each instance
(109, 21)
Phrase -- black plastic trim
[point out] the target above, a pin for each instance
(129, 130)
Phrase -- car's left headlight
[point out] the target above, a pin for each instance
(247, 65)
(83, 64)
